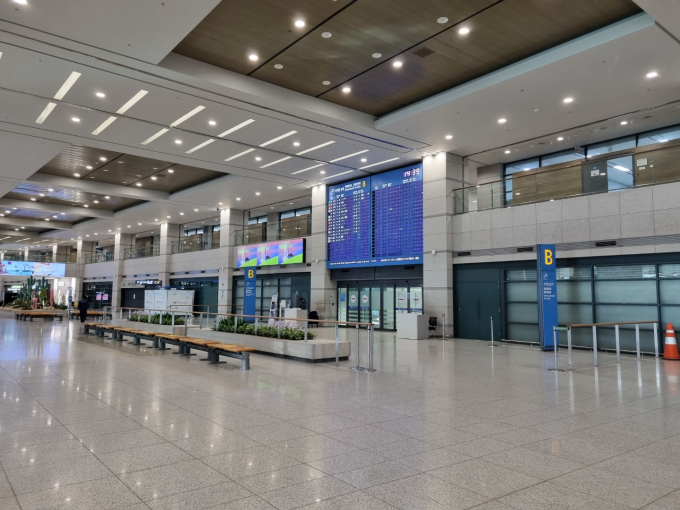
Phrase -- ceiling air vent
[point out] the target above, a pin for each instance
(423, 52)
(525, 249)
(601, 244)
(463, 254)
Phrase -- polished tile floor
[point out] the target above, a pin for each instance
(90, 424)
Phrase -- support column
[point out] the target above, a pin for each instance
(84, 248)
(323, 290)
(169, 234)
(231, 220)
(442, 174)
(122, 243)
(26, 254)
(55, 250)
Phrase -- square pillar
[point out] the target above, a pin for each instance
(231, 220)
(122, 243)
(169, 234)
(323, 290)
(442, 174)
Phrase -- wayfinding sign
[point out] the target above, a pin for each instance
(546, 277)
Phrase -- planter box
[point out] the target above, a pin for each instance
(312, 351)
(158, 328)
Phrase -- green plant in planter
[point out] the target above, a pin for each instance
(226, 325)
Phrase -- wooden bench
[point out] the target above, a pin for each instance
(165, 338)
(30, 314)
(136, 334)
(217, 349)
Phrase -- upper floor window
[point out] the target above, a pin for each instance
(659, 136)
(257, 219)
(303, 211)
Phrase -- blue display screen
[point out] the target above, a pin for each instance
(377, 221)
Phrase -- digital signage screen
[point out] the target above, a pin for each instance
(32, 268)
(274, 253)
(377, 221)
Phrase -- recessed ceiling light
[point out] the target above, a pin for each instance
(363, 160)
(47, 219)
(86, 206)
(237, 198)
(100, 94)
(464, 31)
(195, 210)
(325, 82)
(448, 137)
(107, 197)
(96, 201)
(278, 66)
(326, 35)
(63, 214)
(299, 23)
(22, 2)
(76, 175)
(398, 63)
(568, 100)
(253, 57)
(33, 199)
(346, 90)
(181, 214)
(171, 171)
(50, 190)
(42, 194)
(443, 20)
(652, 74)
(153, 178)
(89, 167)
(155, 219)
(139, 184)
(507, 152)
(624, 122)
(212, 122)
(257, 193)
(278, 187)
(296, 144)
(138, 223)
(102, 158)
(377, 55)
(75, 119)
(178, 142)
(502, 121)
(258, 158)
(559, 138)
(168, 217)
(219, 203)
(322, 172)
(8, 212)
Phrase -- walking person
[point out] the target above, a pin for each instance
(83, 306)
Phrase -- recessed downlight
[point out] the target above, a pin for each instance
(139, 184)
(102, 158)
(326, 35)
(377, 55)
(107, 197)
(442, 20)
(21, 2)
(364, 160)
(100, 94)
(652, 74)
(33, 199)
(257, 193)
(258, 158)
(76, 175)
(171, 171)
(154, 178)
(88, 167)
(325, 82)
(299, 23)
(624, 122)
(296, 144)
(322, 172)
(253, 57)
(397, 63)
(237, 198)
(560, 138)
(178, 142)
(463, 30)
(346, 90)
(448, 137)
(278, 66)
(75, 119)
(568, 100)
(212, 122)
(502, 120)
(195, 210)
(507, 152)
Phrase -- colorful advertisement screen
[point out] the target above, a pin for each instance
(274, 253)
(32, 268)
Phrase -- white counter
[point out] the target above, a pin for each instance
(294, 313)
(412, 326)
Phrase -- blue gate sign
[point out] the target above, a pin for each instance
(546, 272)
(249, 294)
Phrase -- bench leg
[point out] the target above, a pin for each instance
(216, 358)
(135, 340)
(187, 351)
(160, 345)
(245, 361)
(180, 349)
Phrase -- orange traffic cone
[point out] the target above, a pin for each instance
(670, 350)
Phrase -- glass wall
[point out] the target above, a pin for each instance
(378, 301)
(205, 291)
(598, 293)
(99, 294)
(293, 289)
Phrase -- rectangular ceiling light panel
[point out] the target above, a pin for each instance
(236, 128)
(348, 156)
(338, 175)
(239, 155)
(153, 137)
(139, 95)
(310, 168)
(200, 146)
(45, 113)
(187, 116)
(290, 133)
(314, 148)
(104, 125)
(380, 163)
(67, 85)
(274, 162)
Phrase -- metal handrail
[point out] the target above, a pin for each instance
(141, 252)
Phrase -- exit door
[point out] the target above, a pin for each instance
(477, 303)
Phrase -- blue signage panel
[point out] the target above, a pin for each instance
(546, 277)
(377, 221)
(250, 292)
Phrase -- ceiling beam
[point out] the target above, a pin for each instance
(27, 222)
(54, 208)
(100, 188)
(14, 233)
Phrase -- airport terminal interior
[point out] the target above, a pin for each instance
(339, 254)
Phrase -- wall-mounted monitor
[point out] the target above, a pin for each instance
(377, 221)
(32, 268)
(273, 253)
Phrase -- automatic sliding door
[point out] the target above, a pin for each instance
(388, 308)
(353, 305)
(375, 306)
(365, 305)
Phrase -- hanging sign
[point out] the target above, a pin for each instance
(250, 293)
(546, 272)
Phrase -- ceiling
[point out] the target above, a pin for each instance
(356, 44)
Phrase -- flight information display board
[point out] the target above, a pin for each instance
(377, 221)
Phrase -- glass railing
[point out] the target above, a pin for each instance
(94, 258)
(288, 229)
(65, 258)
(195, 243)
(599, 174)
(141, 252)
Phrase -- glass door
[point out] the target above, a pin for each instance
(365, 305)
(402, 300)
(416, 300)
(375, 306)
(353, 304)
(342, 303)
(388, 308)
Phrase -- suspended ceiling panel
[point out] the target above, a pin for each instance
(435, 56)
